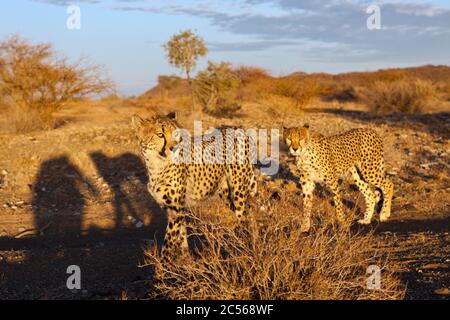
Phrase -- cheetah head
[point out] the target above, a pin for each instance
(157, 134)
(296, 139)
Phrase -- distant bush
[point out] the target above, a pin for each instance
(340, 91)
(172, 85)
(248, 74)
(169, 82)
(34, 82)
(388, 75)
(257, 89)
(301, 92)
(404, 95)
(253, 85)
(216, 88)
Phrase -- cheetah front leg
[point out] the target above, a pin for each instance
(176, 234)
(307, 189)
(334, 186)
(239, 202)
(224, 193)
(239, 191)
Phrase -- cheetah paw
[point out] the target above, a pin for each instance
(364, 221)
(305, 228)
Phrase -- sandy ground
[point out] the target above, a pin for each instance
(77, 195)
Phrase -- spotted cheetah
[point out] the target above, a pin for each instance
(175, 185)
(325, 159)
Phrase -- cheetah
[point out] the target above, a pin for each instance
(325, 159)
(176, 185)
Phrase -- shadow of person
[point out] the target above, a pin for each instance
(127, 178)
(59, 197)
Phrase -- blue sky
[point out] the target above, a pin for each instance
(283, 36)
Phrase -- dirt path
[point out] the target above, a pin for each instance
(85, 187)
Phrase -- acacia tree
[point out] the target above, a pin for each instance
(183, 51)
(33, 78)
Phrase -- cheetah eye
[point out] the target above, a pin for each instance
(160, 135)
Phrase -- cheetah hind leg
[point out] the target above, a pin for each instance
(378, 200)
(388, 190)
(370, 197)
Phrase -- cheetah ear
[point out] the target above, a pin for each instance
(172, 115)
(306, 125)
(136, 121)
(306, 132)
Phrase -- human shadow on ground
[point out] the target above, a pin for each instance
(36, 267)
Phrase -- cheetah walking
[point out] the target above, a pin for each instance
(175, 185)
(325, 159)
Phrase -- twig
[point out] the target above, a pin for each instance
(32, 231)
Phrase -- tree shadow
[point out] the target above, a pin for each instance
(434, 123)
(34, 267)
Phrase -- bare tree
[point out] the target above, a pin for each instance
(33, 78)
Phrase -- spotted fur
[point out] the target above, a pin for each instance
(325, 159)
(176, 185)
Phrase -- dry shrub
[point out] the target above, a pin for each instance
(279, 105)
(257, 89)
(172, 86)
(341, 91)
(389, 75)
(271, 259)
(216, 88)
(249, 74)
(301, 92)
(405, 96)
(18, 121)
(34, 82)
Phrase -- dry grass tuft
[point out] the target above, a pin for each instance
(24, 121)
(405, 96)
(273, 260)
